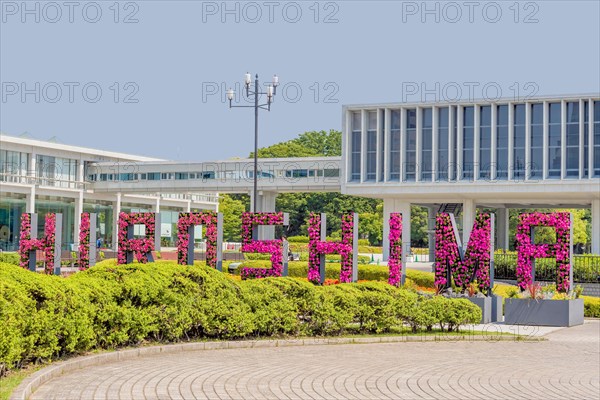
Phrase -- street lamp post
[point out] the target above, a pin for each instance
(271, 90)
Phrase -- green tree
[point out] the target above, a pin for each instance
(370, 225)
(322, 143)
(232, 210)
(418, 226)
(299, 205)
(285, 149)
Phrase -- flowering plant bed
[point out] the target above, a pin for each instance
(528, 251)
(128, 246)
(544, 305)
(274, 248)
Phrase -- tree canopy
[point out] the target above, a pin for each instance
(299, 205)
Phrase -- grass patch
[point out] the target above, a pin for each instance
(13, 379)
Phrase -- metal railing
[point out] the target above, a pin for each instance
(42, 181)
(586, 268)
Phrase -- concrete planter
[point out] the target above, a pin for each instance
(485, 304)
(497, 312)
(543, 312)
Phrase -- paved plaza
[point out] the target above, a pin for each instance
(566, 366)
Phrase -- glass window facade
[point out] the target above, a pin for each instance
(427, 144)
(13, 165)
(381, 145)
(394, 160)
(572, 155)
(554, 140)
(454, 165)
(485, 142)
(104, 220)
(12, 205)
(56, 171)
(586, 140)
(355, 147)
(597, 138)
(442, 161)
(494, 141)
(502, 142)
(372, 146)
(468, 142)
(64, 206)
(410, 164)
(519, 141)
(537, 141)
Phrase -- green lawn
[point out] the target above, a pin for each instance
(9, 382)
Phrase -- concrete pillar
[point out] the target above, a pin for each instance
(596, 226)
(79, 204)
(156, 207)
(502, 228)
(81, 174)
(30, 200)
(78, 209)
(265, 203)
(431, 213)
(115, 230)
(468, 218)
(390, 206)
(32, 167)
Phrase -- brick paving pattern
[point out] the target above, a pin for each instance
(567, 366)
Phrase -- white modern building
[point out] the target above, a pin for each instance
(39, 176)
(535, 153)
(457, 157)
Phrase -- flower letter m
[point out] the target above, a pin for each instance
(478, 258)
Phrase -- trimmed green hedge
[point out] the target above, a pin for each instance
(586, 267)
(9, 257)
(304, 239)
(44, 317)
(299, 269)
(591, 306)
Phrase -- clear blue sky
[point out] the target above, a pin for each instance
(174, 55)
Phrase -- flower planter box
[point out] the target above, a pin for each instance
(497, 314)
(543, 312)
(485, 304)
(491, 308)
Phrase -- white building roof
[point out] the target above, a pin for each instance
(42, 144)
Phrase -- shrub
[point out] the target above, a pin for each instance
(9, 257)
(420, 278)
(298, 239)
(459, 312)
(44, 317)
(370, 249)
(334, 308)
(591, 306)
(273, 312)
(376, 306)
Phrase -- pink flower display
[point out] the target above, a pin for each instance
(395, 258)
(187, 221)
(84, 241)
(316, 248)
(476, 262)
(528, 251)
(273, 247)
(142, 248)
(46, 244)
